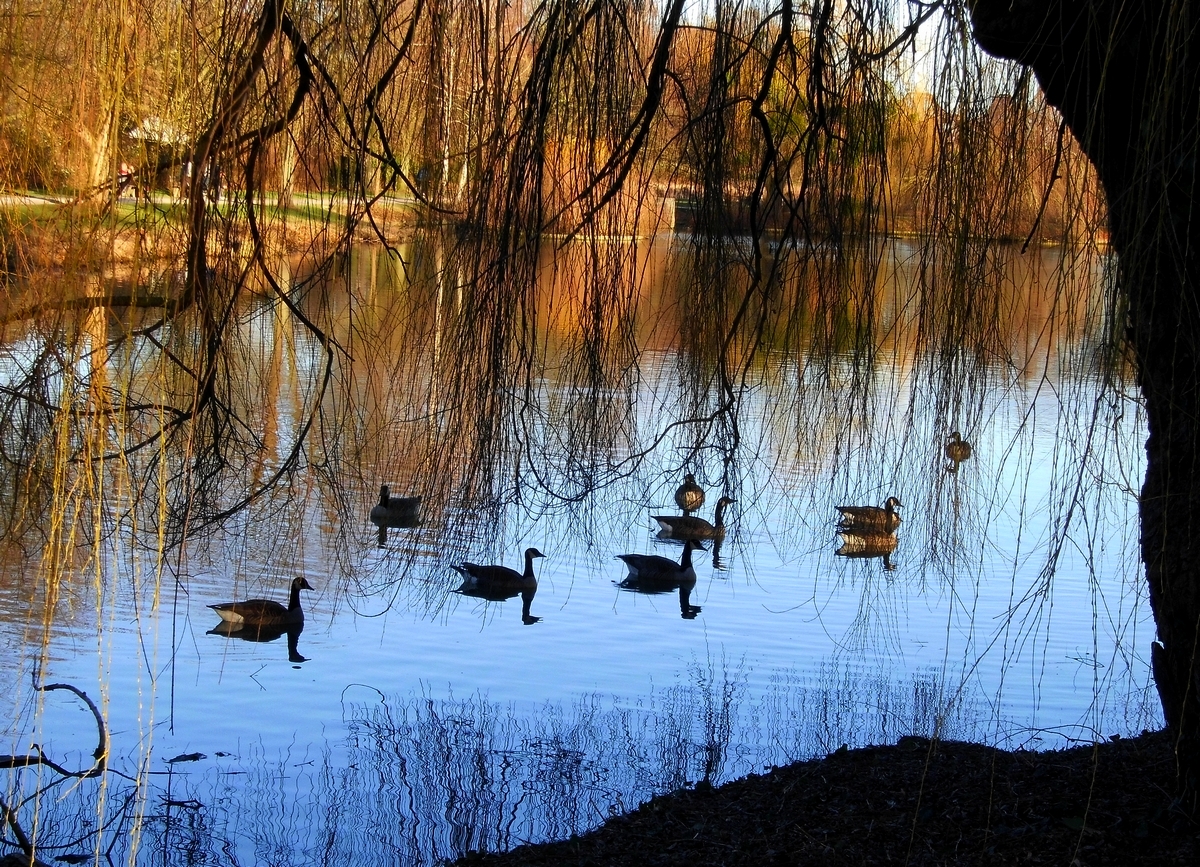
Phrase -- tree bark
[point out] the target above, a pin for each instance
(1126, 77)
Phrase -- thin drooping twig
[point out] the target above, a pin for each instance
(1054, 176)
(621, 162)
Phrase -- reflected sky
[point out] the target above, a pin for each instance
(436, 722)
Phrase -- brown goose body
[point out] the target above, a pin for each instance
(689, 496)
(265, 612)
(871, 517)
(957, 450)
(691, 527)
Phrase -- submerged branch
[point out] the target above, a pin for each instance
(10, 762)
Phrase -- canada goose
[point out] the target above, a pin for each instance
(872, 517)
(262, 613)
(653, 569)
(689, 496)
(395, 511)
(689, 527)
(957, 450)
(497, 578)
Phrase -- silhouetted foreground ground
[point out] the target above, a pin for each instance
(915, 803)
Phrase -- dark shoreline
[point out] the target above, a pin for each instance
(916, 803)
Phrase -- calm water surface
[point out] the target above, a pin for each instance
(423, 723)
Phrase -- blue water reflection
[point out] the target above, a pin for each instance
(411, 723)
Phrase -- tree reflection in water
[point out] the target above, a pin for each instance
(416, 780)
(147, 408)
(576, 452)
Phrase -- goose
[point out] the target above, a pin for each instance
(690, 527)
(957, 450)
(871, 517)
(497, 579)
(689, 496)
(264, 613)
(395, 511)
(653, 569)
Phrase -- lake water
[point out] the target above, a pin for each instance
(423, 723)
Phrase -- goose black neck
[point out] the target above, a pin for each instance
(294, 601)
(686, 562)
(384, 495)
(528, 565)
(719, 518)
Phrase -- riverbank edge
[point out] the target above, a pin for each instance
(918, 802)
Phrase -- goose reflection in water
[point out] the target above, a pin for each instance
(865, 544)
(651, 574)
(264, 634)
(497, 594)
(687, 610)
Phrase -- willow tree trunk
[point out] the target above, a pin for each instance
(1126, 77)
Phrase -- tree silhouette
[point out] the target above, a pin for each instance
(1126, 78)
